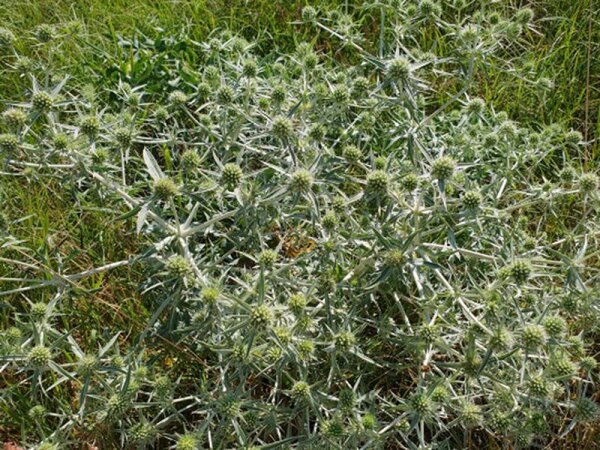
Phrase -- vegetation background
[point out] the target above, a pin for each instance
(565, 49)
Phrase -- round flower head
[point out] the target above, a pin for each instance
(231, 177)
(429, 8)
(334, 428)
(178, 266)
(360, 85)
(301, 181)
(284, 335)
(117, 405)
(443, 168)
(344, 340)
(187, 442)
(249, 69)
(13, 335)
(123, 136)
(260, 316)
(203, 90)
(469, 414)
(341, 94)
(279, 94)
(410, 182)
(209, 295)
(300, 391)
(163, 387)
(499, 420)
(588, 183)
(538, 386)
(471, 200)
(239, 44)
(562, 367)
(9, 142)
(429, 333)
(494, 18)
(576, 346)
(440, 394)
(161, 114)
(297, 303)
(573, 137)
(512, 30)
(37, 412)
(309, 14)
(395, 259)
(586, 410)
(190, 159)
(205, 120)
(338, 204)
(330, 220)
(42, 101)
(520, 271)
(88, 364)
(39, 357)
(143, 433)
(533, 336)
(133, 100)
(60, 141)
(352, 153)
(555, 326)
(39, 310)
(588, 364)
(568, 174)
(347, 399)
(165, 188)
(378, 181)
(570, 303)
(177, 99)
(225, 95)
(398, 69)
(501, 339)
(469, 35)
(317, 132)
(476, 105)
(282, 128)
(420, 405)
(305, 349)
(267, 258)
(14, 118)
(490, 139)
(310, 61)
(7, 38)
(90, 126)
(369, 421)
(212, 73)
(44, 32)
(508, 128)
(366, 120)
(100, 155)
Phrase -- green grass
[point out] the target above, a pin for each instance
(561, 48)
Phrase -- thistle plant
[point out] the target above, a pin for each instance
(331, 256)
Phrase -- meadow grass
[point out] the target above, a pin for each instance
(565, 49)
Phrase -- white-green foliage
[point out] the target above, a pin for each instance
(349, 264)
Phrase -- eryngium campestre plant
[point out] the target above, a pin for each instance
(326, 263)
